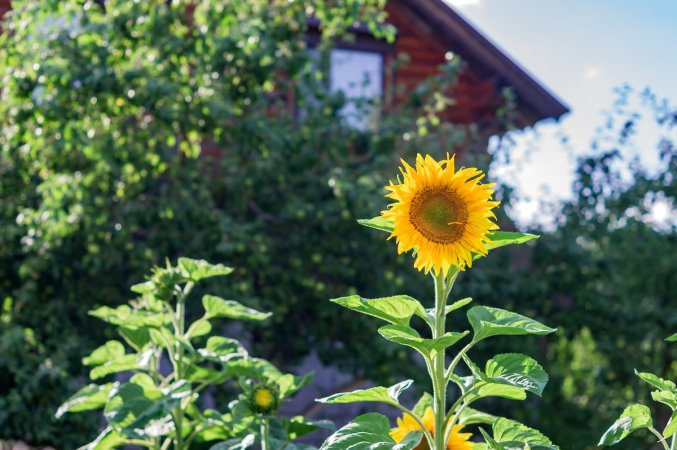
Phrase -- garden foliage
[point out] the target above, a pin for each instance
(162, 407)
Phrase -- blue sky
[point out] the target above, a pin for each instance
(580, 50)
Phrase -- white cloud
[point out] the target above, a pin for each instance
(463, 3)
(592, 73)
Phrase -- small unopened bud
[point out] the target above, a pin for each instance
(264, 398)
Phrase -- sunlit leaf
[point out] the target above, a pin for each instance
(199, 269)
(405, 335)
(217, 307)
(634, 417)
(517, 370)
(92, 396)
(511, 435)
(657, 382)
(375, 394)
(487, 322)
(369, 432)
(396, 310)
(378, 223)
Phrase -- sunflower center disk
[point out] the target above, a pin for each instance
(439, 214)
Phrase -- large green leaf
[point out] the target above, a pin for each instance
(499, 390)
(376, 394)
(111, 350)
(487, 321)
(511, 435)
(672, 338)
(396, 310)
(217, 307)
(223, 349)
(298, 426)
(199, 269)
(140, 403)
(378, 223)
(634, 417)
(200, 327)
(657, 382)
(402, 334)
(127, 317)
(111, 358)
(517, 370)
(108, 439)
(665, 397)
(92, 396)
(369, 432)
(502, 238)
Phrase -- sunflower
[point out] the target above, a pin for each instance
(446, 215)
(406, 424)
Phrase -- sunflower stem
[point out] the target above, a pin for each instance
(439, 376)
(265, 431)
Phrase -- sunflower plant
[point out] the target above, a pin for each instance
(446, 217)
(170, 364)
(638, 416)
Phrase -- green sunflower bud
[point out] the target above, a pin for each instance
(264, 398)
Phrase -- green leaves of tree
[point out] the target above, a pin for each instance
(634, 417)
(369, 432)
(396, 310)
(487, 322)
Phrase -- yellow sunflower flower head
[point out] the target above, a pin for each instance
(406, 424)
(443, 213)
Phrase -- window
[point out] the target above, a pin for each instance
(359, 75)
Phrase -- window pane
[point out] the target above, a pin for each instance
(359, 75)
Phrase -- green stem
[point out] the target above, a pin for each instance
(661, 439)
(179, 331)
(265, 431)
(439, 376)
(457, 359)
(673, 444)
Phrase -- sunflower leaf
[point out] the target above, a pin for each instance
(634, 417)
(509, 434)
(487, 322)
(396, 310)
(378, 223)
(375, 394)
(92, 396)
(517, 370)
(217, 307)
(425, 402)
(503, 238)
(672, 338)
(657, 382)
(499, 390)
(369, 432)
(405, 335)
(671, 427)
(199, 269)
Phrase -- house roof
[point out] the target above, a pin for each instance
(462, 38)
